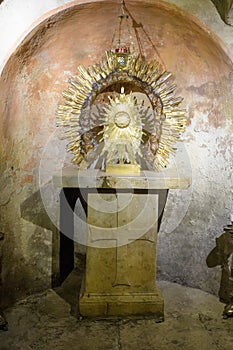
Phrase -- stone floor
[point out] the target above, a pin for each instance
(193, 321)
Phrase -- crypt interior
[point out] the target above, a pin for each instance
(41, 268)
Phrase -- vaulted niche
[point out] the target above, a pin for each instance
(31, 84)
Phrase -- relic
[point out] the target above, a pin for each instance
(222, 255)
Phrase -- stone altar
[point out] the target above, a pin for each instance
(123, 214)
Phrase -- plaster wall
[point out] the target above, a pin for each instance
(30, 88)
(17, 16)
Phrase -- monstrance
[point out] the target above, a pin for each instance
(107, 122)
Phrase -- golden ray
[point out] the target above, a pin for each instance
(166, 122)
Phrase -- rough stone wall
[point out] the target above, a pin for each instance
(30, 88)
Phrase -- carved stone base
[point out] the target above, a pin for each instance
(133, 304)
(121, 256)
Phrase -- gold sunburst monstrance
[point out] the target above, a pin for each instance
(122, 131)
(126, 132)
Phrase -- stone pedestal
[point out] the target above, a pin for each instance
(121, 256)
(122, 216)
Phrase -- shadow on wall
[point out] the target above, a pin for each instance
(65, 279)
(33, 210)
